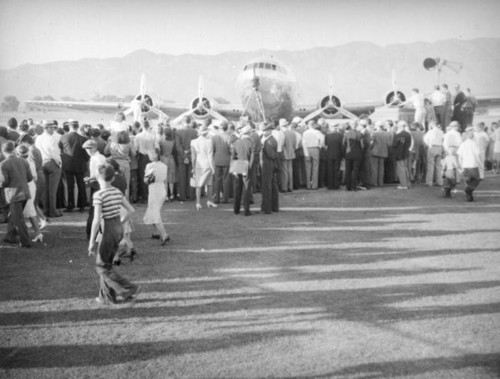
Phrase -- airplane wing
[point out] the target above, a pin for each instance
(487, 102)
(79, 105)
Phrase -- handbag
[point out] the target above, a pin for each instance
(238, 167)
(149, 179)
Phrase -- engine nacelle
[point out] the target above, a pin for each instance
(330, 112)
(390, 100)
(146, 104)
(200, 110)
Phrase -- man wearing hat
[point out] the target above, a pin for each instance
(183, 137)
(289, 147)
(74, 164)
(312, 141)
(243, 153)
(96, 160)
(270, 171)
(470, 162)
(14, 178)
(48, 144)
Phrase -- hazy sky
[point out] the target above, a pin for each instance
(39, 31)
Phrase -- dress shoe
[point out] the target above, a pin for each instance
(248, 213)
(38, 238)
(165, 240)
(82, 209)
(68, 210)
(211, 204)
(198, 206)
(51, 215)
(6, 240)
(155, 236)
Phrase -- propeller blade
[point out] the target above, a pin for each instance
(394, 83)
(314, 114)
(346, 113)
(142, 88)
(330, 86)
(201, 89)
(162, 115)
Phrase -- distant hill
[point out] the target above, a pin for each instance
(361, 72)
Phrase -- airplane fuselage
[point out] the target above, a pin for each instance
(267, 90)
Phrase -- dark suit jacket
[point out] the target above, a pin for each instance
(333, 142)
(401, 145)
(222, 151)
(289, 144)
(16, 175)
(183, 138)
(381, 140)
(243, 150)
(353, 146)
(74, 158)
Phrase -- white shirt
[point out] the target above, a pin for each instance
(417, 99)
(279, 136)
(312, 138)
(438, 98)
(452, 138)
(434, 137)
(145, 142)
(95, 161)
(48, 144)
(468, 155)
(117, 127)
(482, 140)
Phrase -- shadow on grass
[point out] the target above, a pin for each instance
(373, 305)
(101, 355)
(489, 364)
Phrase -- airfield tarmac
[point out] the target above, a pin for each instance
(373, 284)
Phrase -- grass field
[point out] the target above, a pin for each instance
(373, 284)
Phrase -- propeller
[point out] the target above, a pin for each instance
(329, 105)
(201, 106)
(143, 102)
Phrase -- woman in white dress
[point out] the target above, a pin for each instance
(29, 211)
(203, 165)
(155, 176)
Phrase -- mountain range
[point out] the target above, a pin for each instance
(361, 72)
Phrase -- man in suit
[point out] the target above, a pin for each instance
(458, 111)
(380, 142)
(333, 142)
(270, 171)
(254, 169)
(183, 137)
(353, 152)
(289, 147)
(15, 175)
(243, 150)
(401, 145)
(222, 156)
(74, 164)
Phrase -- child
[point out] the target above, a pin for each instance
(450, 173)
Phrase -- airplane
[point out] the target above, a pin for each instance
(268, 92)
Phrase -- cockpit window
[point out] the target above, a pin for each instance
(261, 65)
(273, 67)
(255, 65)
(267, 66)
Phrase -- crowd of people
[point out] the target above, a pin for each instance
(47, 167)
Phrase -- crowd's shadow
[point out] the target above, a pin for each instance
(102, 355)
